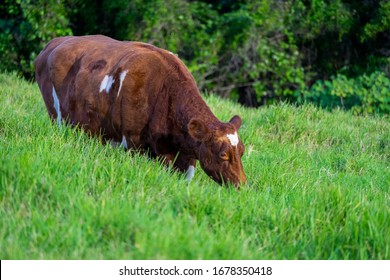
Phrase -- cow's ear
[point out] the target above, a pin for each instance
(236, 122)
(198, 130)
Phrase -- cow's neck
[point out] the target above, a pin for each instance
(193, 106)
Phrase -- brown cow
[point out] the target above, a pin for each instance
(141, 96)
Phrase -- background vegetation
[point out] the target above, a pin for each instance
(318, 188)
(333, 53)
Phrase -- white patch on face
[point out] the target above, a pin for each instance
(107, 83)
(124, 142)
(190, 172)
(57, 106)
(121, 78)
(233, 138)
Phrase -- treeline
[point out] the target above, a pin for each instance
(333, 53)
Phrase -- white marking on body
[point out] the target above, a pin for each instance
(107, 83)
(233, 138)
(103, 84)
(190, 172)
(124, 142)
(57, 106)
(121, 78)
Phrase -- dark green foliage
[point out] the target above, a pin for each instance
(341, 36)
(260, 60)
(364, 94)
(25, 28)
(257, 52)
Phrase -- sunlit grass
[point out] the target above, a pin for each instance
(318, 189)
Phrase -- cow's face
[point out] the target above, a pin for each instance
(220, 151)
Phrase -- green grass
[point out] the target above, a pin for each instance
(318, 189)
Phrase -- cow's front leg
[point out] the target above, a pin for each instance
(181, 163)
(115, 143)
(167, 159)
(186, 165)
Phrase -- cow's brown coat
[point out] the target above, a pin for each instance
(158, 108)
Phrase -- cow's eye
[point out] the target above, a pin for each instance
(224, 156)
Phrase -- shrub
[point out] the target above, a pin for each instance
(259, 61)
(25, 28)
(365, 94)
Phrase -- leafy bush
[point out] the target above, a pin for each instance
(189, 29)
(25, 28)
(259, 60)
(341, 36)
(256, 52)
(363, 94)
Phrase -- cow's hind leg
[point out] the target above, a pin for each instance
(56, 105)
(51, 100)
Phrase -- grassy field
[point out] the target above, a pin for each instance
(318, 189)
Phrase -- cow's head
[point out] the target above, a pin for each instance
(220, 150)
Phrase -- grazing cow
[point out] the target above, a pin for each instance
(141, 96)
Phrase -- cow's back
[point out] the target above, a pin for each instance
(102, 84)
